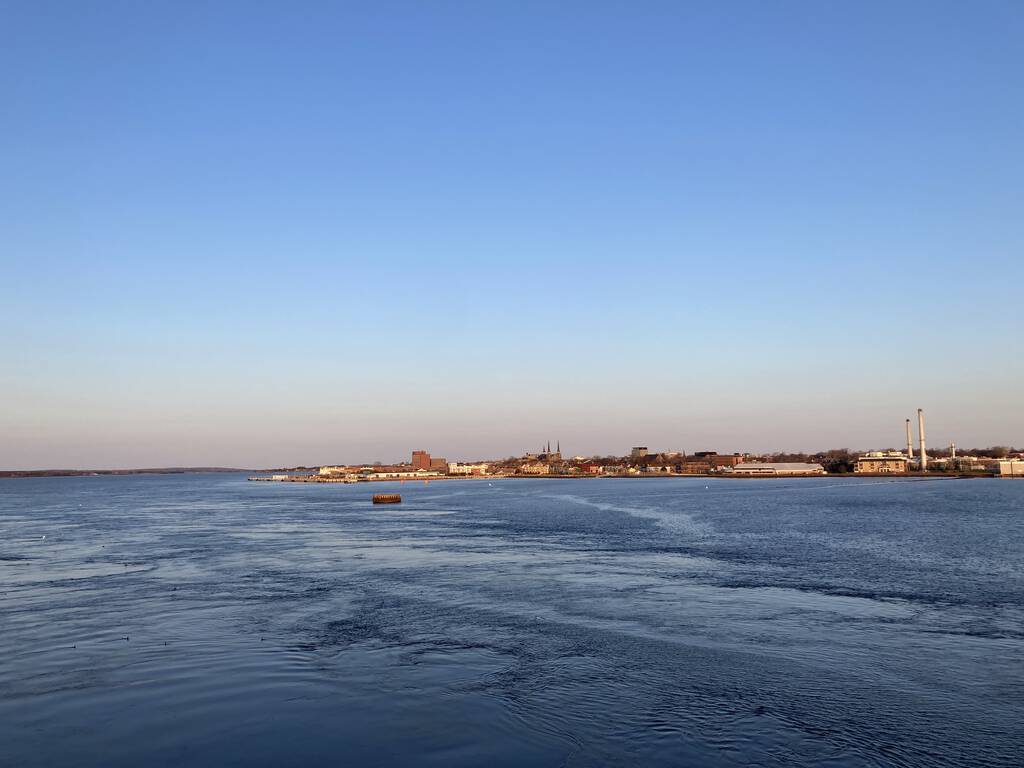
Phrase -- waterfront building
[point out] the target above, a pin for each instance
(660, 467)
(716, 459)
(692, 467)
(534, 468)
(638, 452)
(775, 469)
(336, 470)
(965, 464)
(400, 472)
(882, 462)
(420, 460)
(455, 468)
(1010, 468)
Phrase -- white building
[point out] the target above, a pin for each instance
(775, 469)
(399, 474)
(333, 470)
(663, 469)
(455, 468)
(1010, 468)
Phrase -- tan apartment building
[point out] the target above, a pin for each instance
(882, 462)
(534, 468)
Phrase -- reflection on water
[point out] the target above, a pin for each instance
(204, 620)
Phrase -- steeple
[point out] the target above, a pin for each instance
(558, 450)
(549, 447)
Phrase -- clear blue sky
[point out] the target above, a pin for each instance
(263, 233)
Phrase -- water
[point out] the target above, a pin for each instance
(205, 620)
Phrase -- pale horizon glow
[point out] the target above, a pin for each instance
(241, 236)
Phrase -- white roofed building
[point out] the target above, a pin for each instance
(775, 469)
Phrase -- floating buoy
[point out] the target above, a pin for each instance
(387, 498)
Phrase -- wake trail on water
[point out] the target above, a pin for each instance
(674, 520)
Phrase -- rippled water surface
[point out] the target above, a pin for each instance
(206, 620)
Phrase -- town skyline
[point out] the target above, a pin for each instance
(938, 450)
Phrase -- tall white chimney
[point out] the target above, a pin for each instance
(952, 450)
(910, 442)
(920, 431)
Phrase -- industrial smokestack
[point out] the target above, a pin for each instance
(920, 432)
(910, 442)
(952, 450)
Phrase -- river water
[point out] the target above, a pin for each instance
(205, 620)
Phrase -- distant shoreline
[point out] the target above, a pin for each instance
(28, 473)
(317, 480)
(16, 473)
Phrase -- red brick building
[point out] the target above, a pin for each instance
(719, 460)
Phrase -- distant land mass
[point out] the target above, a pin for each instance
(90, 472)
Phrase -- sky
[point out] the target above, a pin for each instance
(262, 234)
